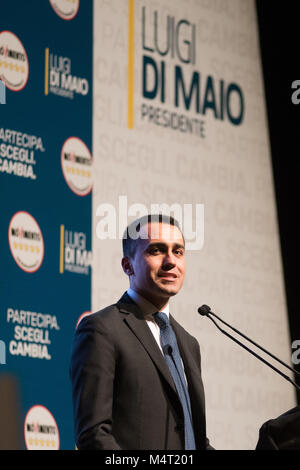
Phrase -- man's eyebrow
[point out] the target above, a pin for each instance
(163, 245)
(178, 245)
(158, 244)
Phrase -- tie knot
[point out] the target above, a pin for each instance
(161, 319)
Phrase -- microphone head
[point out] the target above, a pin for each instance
(167, 349)
(204, 310)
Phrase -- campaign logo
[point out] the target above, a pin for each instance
(75, 256)
(66, 9)
(14, 65)
(26, 242)
(60, 79)
(174, 92)
(40, 429)
(76, 163)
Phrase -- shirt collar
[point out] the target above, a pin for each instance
(146, 307)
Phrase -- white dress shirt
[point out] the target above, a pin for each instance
(148, 309)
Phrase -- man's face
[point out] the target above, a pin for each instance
(159, 263)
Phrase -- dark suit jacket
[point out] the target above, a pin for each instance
(123, 394)
(282, 433)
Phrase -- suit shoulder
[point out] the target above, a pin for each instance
(100, 319)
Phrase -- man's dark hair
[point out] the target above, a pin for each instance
(130, 243)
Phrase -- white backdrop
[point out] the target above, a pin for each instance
(238, 272)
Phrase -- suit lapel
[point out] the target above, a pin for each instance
(135, 321)
(188, 360)
(190, 367)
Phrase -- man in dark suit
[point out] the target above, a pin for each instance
(136, 384)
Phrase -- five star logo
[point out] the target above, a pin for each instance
(65, 9)
(26, 241)
(40, 429)
(14, 65)
(76, 162)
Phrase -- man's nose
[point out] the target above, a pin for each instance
(169, 260)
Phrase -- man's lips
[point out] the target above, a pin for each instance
(169, 276)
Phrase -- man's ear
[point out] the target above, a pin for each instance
(127, 267)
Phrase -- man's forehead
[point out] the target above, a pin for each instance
(161, 231)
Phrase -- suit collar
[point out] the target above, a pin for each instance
(147, 307)
(126, 305)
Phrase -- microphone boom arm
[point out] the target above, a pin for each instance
(252, 352)
(254, 343)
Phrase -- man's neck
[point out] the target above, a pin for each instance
(149, 304)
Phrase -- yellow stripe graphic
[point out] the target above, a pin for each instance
(46, 71)
(61, 259)
(130, 116)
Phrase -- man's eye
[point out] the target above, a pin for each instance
(179, 252)
(154, 250)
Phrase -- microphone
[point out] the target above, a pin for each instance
(205, 310)
(167, 349)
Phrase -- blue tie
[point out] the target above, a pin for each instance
(173, 359)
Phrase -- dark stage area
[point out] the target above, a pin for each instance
(279, 35)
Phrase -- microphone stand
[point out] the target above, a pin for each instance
(206, 311)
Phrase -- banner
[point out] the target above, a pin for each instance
(126, 107)
(180, 121)
(46, 174)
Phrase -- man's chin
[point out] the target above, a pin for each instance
(169, 291)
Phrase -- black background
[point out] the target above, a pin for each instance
(279, 29)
